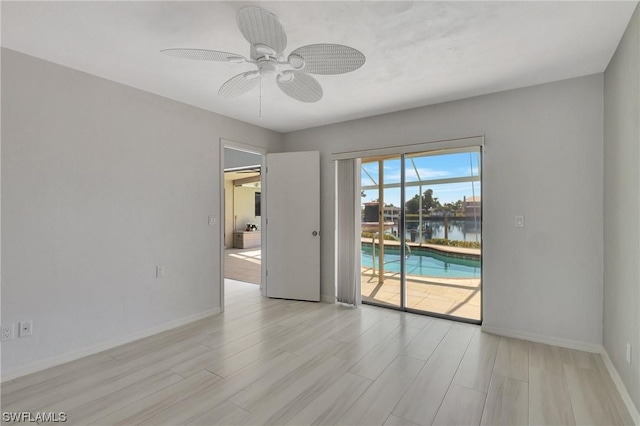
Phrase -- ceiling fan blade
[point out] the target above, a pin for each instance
(259, 26)
(204, 55)
(240, 84)
(329, 58)
(300, 86)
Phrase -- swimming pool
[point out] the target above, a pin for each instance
(425, 264)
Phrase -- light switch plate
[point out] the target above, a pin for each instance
(519, 221)
(26, 328)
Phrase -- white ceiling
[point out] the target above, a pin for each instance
(418, 53)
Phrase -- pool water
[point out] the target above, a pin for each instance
(425, 264)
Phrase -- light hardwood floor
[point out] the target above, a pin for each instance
(269, 361)
(243, 264)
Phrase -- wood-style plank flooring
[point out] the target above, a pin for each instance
(269, 361)
(243, 264)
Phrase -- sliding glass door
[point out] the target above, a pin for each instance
(424, 251)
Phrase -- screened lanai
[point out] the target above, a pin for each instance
(421, 240)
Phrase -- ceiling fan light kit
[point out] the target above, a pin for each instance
(267, 38)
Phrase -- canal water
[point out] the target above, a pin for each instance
(461, 230)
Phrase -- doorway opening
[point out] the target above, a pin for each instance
(421, 232)
(242, 242)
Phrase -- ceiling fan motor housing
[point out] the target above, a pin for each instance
(268, 66)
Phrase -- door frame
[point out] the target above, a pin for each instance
(252, 149)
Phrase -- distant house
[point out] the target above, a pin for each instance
(392, 214)
(471, 206)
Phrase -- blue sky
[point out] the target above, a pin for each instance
(429, 167)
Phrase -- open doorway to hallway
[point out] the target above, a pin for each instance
(242, 198)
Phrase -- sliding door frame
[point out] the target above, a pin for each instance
(403, 237)
(435, 147)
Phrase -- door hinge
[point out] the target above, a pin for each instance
(267, 272)
(267, 221)
(267, 169)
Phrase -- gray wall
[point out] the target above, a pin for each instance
(622, 208)
(100, 183)
(543, 159)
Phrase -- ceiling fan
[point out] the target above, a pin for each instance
(268, 41)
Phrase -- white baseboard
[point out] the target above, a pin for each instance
(628, 402)
(325, 298)
(555, 341)
(91, 350)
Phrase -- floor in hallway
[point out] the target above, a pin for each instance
(243, 264)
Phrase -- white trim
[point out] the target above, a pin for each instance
(91, 350)
(469, 142)
(327, 298)
(241, 146)
(223, 223)
(628, 402)
(555, 341)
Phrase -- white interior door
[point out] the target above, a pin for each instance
(293, 225)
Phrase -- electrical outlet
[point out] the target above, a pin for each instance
(213, 220)
(7, 332)
(160, 272)
(26, 328)
(519, 221)
(628, 353)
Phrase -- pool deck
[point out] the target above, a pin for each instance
(460, 297)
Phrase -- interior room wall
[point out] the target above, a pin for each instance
(543, 160)
(622, 208)
(101, 183)
(244, 204)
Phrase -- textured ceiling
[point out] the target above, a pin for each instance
(418, 53)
